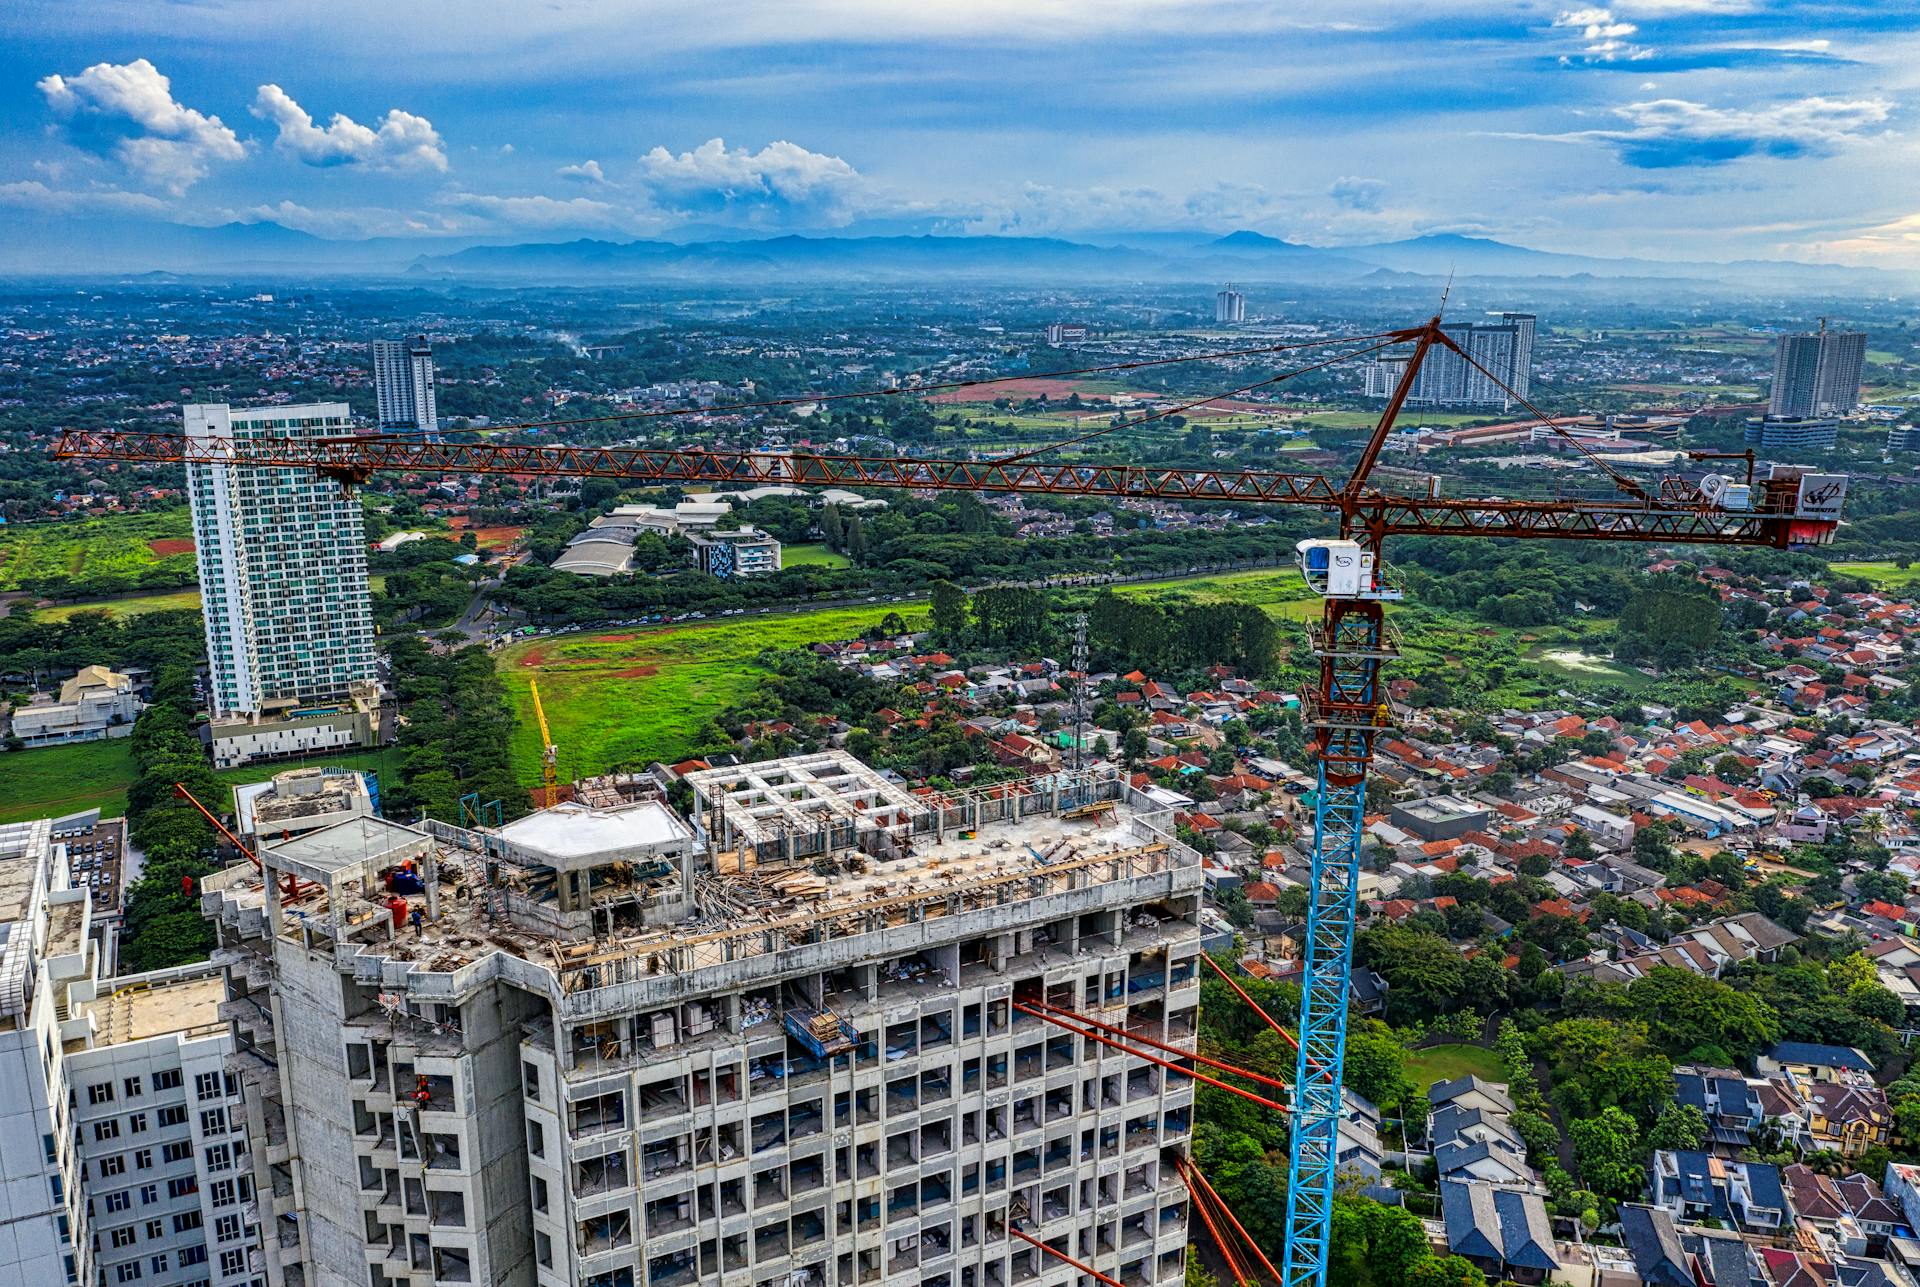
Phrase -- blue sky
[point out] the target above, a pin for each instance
(1662, 128)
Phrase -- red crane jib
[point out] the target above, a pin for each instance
(1791, 508)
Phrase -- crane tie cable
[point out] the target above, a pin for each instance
(1620, 480)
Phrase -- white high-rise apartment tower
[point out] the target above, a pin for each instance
(403, 385)
(1229, 305)
(283, 566)
(1817, 374)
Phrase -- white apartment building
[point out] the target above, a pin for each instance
(1817, 375)
(162, 1135)
(1446, 379)
(44, 948)
(283, 567)
(776, 1046)
(96, 703)
(124, 1137)
(403, 385)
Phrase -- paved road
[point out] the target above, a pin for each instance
(479, 607)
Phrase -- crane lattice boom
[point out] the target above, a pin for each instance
(1778, 514)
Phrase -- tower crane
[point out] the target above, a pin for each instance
(549, 753)
(1347, 709)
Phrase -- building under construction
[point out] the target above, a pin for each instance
(802, 1039)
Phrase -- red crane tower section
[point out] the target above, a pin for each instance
(1788, 506)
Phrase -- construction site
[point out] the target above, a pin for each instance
(813, 1037)
(831, 1027)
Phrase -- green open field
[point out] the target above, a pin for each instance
(1368, 419)
(1886, 575)
(1570, 661)
(1280, 594)
(120, 545)
(54, 780)
(631, 697)
(800, 556)
(625, 698)
(1444, 1063)
(132, 605)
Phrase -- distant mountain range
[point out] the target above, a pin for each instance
(92, 248)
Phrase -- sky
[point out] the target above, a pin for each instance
(1680, 129)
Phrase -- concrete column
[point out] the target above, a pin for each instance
(430, 876)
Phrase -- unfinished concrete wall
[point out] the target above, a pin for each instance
(313, 1072)
(493, 1022)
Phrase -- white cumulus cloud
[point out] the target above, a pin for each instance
(402, 141)
(779, 174)
(546, 213)
(1696, 131)
(1604, 34)
(585, 172)
(127, 110)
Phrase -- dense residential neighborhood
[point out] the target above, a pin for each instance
(1635, 953)
(1610, 879)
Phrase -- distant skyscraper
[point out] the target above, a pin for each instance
(403, 385)
(1503, 348)
(1382, 374)
(1229, 305)
(1817, 374)
(283, 567)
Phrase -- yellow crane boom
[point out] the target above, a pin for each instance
(549, 754)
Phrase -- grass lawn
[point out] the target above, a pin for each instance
(123, 544)
(1280, 594)
(628, 698)
(1368, 419)
(1883, 574)
(1569, 661)
(800, 556)
(132, 605)
(1444, 1063)
(385, 763)
(54, 780)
